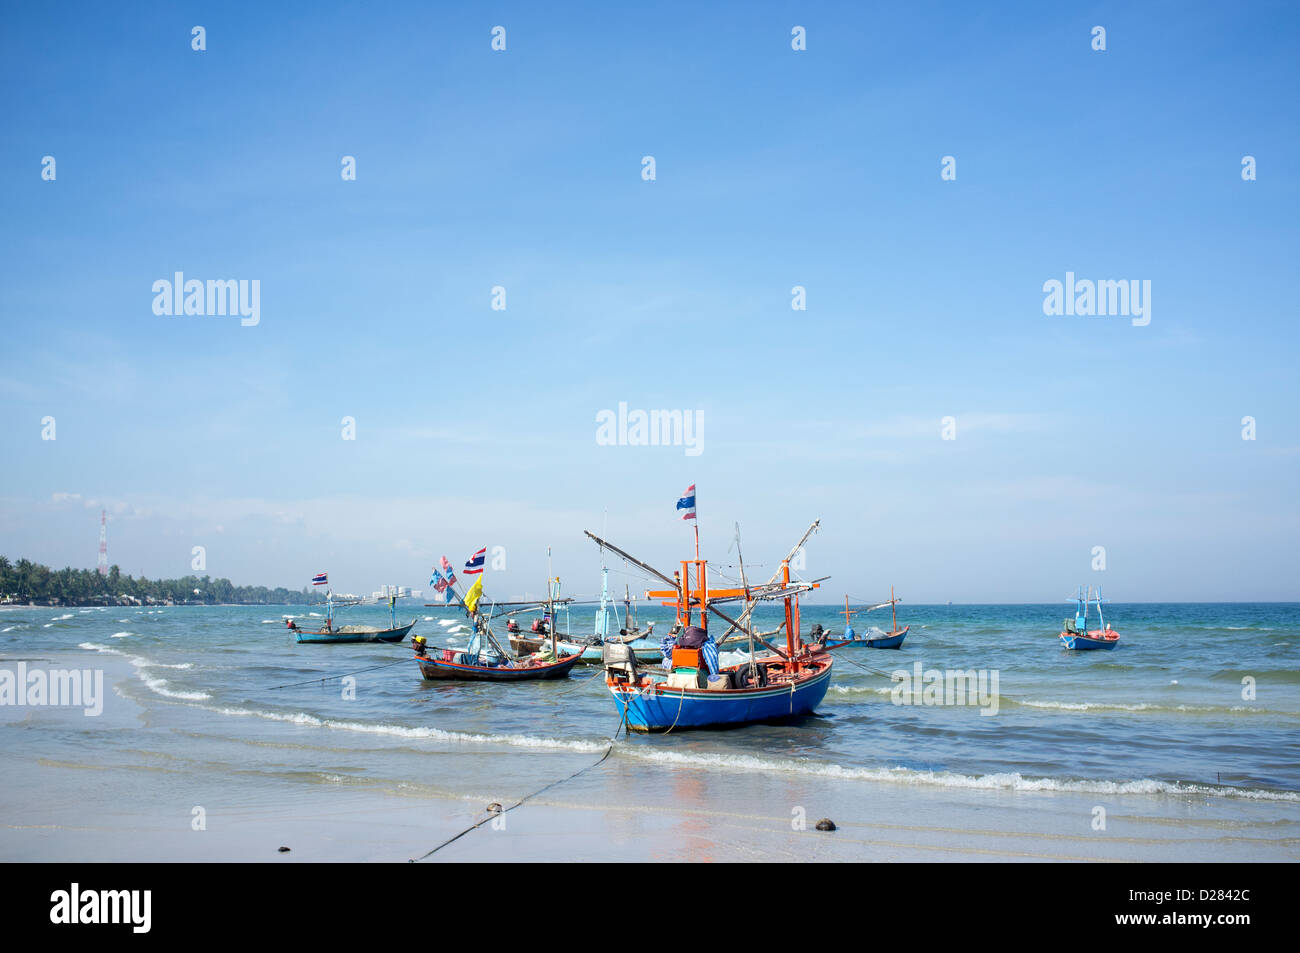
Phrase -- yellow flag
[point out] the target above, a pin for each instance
(474, 595)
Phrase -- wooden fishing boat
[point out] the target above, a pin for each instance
(354, 633)
(590, 652)
(330, 633)
(787, 684)
(450, 664)
(892, 639)
(1075, 634)
(647, 649)
(484, 659)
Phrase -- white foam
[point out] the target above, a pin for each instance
(402, 731)
(8, 628)
(92, 647)
(122, 635)
(861, 690)
(1007, 781)
(158, 685)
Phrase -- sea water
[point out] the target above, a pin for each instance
(1199, 704)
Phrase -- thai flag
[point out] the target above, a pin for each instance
(475, 564)
(320, 579)
(687, 503)
(446, 568)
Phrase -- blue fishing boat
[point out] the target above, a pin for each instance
(892, 639)
(885, 642)
(1075, 634)
(354, 633)
(782, 685)
(330, 633)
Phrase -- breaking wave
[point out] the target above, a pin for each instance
(1006, 781)
(404, 731)
(154, 684)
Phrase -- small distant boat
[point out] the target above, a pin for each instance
(330, 633)
(1075, 634)
(892, 639)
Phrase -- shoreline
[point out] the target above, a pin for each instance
(601, 813)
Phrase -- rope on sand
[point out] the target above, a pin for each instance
(477, 824)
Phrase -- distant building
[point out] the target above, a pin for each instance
(402, 592)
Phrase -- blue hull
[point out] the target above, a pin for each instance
(665, 708)
(889, 642)
(1080, 643)
(341, 638)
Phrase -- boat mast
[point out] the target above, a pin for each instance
(744, 582)
(676, 584)
(602, 614)
(893, 609)
(550, 601)
(1100, 617)
(789, 616)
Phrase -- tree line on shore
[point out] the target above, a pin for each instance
(24, 582)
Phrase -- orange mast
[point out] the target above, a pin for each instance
(791, 616)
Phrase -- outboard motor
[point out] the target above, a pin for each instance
(619, 661)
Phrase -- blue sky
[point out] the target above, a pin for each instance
(775, 168)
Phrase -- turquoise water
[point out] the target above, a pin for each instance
(1163, 714)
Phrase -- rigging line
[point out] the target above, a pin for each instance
(865, 668)
(330, 678)
(608, 750)
(582, 684)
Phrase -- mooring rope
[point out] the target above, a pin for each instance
(581, 684)
(477, 824)
(330, 678)
(681, 700)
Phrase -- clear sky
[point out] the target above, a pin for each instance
(774, 168)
